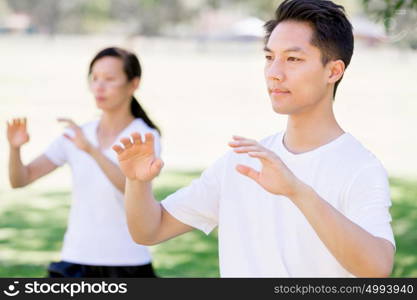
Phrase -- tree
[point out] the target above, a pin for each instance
(387, 10)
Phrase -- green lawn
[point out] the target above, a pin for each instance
(32, 224)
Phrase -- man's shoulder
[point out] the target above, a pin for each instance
(353, 157)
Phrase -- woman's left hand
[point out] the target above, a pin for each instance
(79, 139)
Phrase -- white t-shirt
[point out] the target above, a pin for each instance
(97, 232)
(266, 235)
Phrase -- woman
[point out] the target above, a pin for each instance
(97, 242)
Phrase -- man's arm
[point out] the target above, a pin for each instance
(358, 251)
(149, 223)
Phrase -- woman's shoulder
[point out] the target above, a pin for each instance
(139, 125)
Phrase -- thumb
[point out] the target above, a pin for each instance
(247, 171)
(68, 137)
(157, 166)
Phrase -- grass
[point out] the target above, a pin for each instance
(33, 222)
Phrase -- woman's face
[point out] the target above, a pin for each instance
(109, 84)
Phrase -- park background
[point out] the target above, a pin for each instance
(202, 82)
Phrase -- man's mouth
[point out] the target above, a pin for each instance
(278, 91)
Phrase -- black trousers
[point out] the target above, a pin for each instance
(68, 269)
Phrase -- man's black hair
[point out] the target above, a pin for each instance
(332, 31)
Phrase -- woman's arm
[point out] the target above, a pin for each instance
(110, 169)
(19, 174)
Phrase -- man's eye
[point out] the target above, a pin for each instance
(291, 58)
(268, 57)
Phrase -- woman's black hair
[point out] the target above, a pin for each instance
(132, 69)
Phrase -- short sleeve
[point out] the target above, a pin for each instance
(368, 202)
(55, 152)
(197, 204)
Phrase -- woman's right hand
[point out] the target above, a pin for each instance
(17, 132)
(138, 160)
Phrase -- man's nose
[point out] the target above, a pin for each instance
(275, 70)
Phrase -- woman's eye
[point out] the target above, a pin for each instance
(268, 57)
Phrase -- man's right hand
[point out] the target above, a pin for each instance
(17, 133)
(137, 159)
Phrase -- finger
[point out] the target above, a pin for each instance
(127, 143)
(14, 122)
(264, 156)
(117, 149)
(68, 121)
(136, 137)
(259, 154)
(238, 137)
(68, 137)
(63, 120)
(242, 138)
(242, 143)
(247, 149)
(11, 124)
(247, 171)
(149, 139)
(22, 123)
(237, 140)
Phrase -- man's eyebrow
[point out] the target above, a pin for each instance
(292, 49)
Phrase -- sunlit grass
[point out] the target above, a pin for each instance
(33, 222)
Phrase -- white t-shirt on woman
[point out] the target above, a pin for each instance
(97, 232)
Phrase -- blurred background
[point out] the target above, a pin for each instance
(202, 82)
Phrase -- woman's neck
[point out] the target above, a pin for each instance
(111, 123)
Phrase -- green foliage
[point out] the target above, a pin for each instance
(387, 10)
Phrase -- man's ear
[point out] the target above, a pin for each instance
(336, 69)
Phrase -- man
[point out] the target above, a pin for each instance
(307, 202)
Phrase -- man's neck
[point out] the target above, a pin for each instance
(311, 129)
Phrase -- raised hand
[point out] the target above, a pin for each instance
(17, 134)
(274, 176)
(137, 159)
(79, 139)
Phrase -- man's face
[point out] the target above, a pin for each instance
(295, 76)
